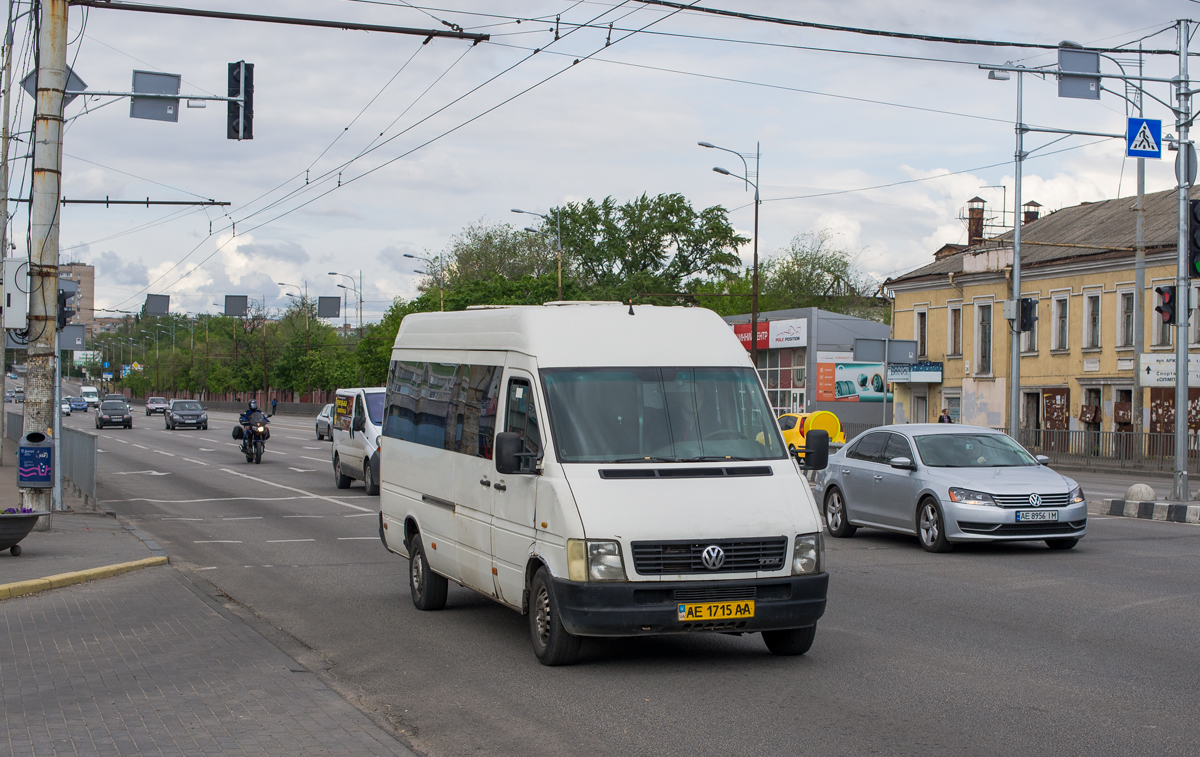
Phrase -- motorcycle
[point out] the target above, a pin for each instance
(254, 435)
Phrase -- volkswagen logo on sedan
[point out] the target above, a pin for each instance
(1035, 500)
(713, 557)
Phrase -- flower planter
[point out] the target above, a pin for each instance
(14, 527)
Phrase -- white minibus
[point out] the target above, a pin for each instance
(606, 470)
(355, 430)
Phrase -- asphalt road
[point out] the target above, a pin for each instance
(1009, 649)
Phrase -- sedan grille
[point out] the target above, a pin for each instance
(1022, 500)
(656, 558)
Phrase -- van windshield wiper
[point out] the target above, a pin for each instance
(716, 458)
(646, 460)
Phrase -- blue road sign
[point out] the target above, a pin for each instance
(105, 363)
(1143, 138)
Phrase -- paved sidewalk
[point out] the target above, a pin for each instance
(75, 541)
(144, 664)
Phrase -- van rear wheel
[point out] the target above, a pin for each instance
(552, 644)
(789, 642)
(428, 589)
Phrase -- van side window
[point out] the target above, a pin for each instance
(341, 411)
(358, 408)
(443, 405)
(520, 417)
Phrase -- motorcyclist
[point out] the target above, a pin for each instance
(252, 415)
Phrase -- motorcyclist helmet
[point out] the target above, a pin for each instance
(253, 404)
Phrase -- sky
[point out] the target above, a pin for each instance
(403, 143)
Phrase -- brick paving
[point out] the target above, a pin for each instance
(141, 664)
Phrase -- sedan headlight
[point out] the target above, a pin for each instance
(808, 556)
(1076, 496)
(970, 497)
(594, 560)
(203, 416)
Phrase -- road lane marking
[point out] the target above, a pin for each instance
(300, 491)
(314, 459)
(286, 541)
(246, 517)
(122, 441)
(356, 538)
(217, 541)
(358, 515)
(314, 448)
(304, 516)
(202, 449)
(134, 472)
(168, 454)
(139, 446)
(101, 450)
(197, 462)
(302, 470)
(297, 438)
(212, 499)
(211, 567)
(180, 518)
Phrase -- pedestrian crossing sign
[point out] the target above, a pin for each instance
(1143, 138)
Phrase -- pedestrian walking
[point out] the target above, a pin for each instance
(274, 404)
(945, 416)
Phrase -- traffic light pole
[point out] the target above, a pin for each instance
(1181, 492)
(1014, 331)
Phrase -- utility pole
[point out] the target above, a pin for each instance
(1181, 493)
(1139, 284)
(43, 241)
(1014, 326)
(8, 43)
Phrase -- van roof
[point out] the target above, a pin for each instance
(363, 389)
(587, 335)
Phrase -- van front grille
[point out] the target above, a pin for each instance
(656, 558)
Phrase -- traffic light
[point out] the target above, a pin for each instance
(64, 312)
(1193, 239)
(1028, 313)
(240, 117)
(1167, 308)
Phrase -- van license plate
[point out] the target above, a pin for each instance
(1028, 516)
(715, 610)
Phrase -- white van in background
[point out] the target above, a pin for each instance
(91, 394)
(606, 470)
(357, 425)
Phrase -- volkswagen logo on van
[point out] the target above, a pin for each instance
(1035, 500)
(713, 557)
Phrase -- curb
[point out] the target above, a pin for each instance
(32, 586)
(1164, 511)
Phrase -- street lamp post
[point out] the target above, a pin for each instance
(757, 202)
(156, 386)
(358, 292)
(303, 304)
(557, 240)
(440, 278)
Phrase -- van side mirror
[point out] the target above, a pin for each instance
(902, 463)
(507, 452)
(358, 424)
(815, 454)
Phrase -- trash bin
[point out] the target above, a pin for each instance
(35, 461)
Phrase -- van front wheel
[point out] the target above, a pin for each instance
(552, 644)
(428, 589)
(789, 642)
(340, 480)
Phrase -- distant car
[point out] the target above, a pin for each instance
(155, 405)
(78, 404)
(947, 484)
(19, 396)
(324, 420)
(116, 398)
(65, 407)
(9, 394)
(114, 413)
(185, 413)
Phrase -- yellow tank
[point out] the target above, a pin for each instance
(796, 425)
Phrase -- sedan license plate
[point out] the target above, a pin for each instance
(699, 611)
(1028, 516)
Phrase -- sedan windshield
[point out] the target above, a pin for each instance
(972, 451)
(113, 407)
(660, 415)
(190, 406)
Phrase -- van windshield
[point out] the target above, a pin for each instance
(375, 403)
(659, 415)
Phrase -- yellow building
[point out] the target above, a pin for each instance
(1078, 364)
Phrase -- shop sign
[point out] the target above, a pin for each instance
(774, 335)
(923, 372)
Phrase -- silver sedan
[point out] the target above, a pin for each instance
(950, 483)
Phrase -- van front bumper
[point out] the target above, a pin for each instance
(649, 608)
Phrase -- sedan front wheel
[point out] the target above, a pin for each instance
(931, 527)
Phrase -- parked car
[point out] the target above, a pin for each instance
(64, 407)
(156, 405)
(185, 413)
(795, 425)
(78, 404)
(357, 426)
(324, 422)
(947, 484)
(114, 413)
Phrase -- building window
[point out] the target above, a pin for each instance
(1164, 333)
(984, 361)
(954, 406)
(922, 322)
(955, 340)
(1029, 338)
(1125, 322)
(1091, 337)
(1060, 324)
(782, 372)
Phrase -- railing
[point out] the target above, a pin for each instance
(14, 426)
(78, 460)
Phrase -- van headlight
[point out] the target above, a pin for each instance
(589, 560)
(379, 441)
(808, 556)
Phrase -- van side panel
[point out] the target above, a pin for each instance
(423, 479)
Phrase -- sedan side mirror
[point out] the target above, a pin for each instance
(1042, 460)
(902, 463)
(815, 453)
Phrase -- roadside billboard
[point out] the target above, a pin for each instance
(841, 379)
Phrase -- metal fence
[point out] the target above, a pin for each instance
(78, 461)
(14, 426)
(1094, 449)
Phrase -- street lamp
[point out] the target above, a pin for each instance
(757, 202)
(357, 291)
(156, 333)
(440, 278)
(557, 240)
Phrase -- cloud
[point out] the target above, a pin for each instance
(288, 252)
(392, 256)
(110, 265)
